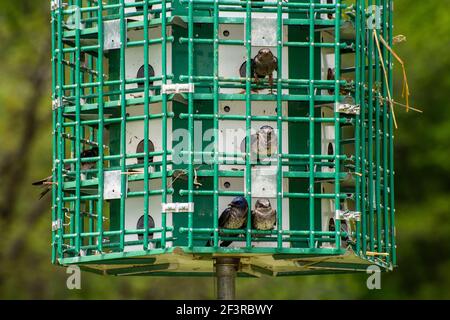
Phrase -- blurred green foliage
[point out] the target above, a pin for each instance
(422, 176)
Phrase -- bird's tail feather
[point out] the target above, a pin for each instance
(43, 193)
(39, 182)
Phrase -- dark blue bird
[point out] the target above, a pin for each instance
(233, 217)
(264, 217)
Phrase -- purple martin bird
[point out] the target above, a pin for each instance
(264, 217)
(263, 143)
(233, 217)
(47, 183)
(262, 65)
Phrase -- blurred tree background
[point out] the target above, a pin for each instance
(422, 175)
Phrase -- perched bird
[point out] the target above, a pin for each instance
(344, 228)
(47, 183)
(233, 217)
(264, 217)
(262, 65)
(263, 143)
(91, 153)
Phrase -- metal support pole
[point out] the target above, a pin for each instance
(226, 269)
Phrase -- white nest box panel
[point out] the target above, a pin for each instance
(232, 57)
(134, 210)
(328, 213)
(139, 10)
(232, 132)
(256, 5)
(135, 132)
(237, 184)
(135, 58)
(328, 64)
(328, 142)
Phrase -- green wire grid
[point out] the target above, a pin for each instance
(91, 95)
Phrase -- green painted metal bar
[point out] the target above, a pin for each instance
(191, 122)
(279, 125)
(100, 140)
(385, 163)
(123, 124)
(370, 85)
(55, 63)
(248, 121)
(362, 69)
(312, 140)
(165, 112)
(262, 118)
(243, 42)
(379, 83)
(59, 131)
(91, 203)
(337, 127)
(391, 143)
(240, 6)
(358, 58)
(216, 89)
(146, 124)
(78, 80)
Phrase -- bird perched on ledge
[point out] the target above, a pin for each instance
(262, 65)
(233, 217)
(47, 183)
(263, 144)
(264, 217)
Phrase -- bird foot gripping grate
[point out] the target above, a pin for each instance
(187, 130)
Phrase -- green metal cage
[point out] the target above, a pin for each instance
(129, 76)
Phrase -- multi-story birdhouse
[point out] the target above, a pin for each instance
(166, 114)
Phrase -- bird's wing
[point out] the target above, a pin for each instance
(41, 182)
(224, 217)
(275, 61)
(253, 67)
